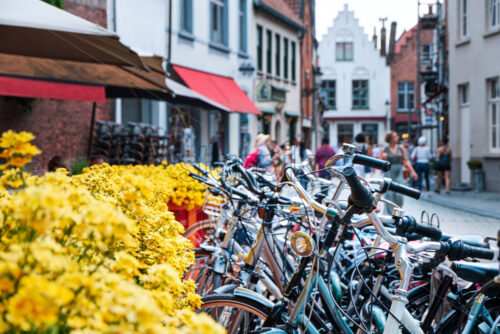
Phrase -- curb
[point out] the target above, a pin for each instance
(459, 207)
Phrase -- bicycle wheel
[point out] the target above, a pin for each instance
(201, 272)
(200, 231)
(236, 314)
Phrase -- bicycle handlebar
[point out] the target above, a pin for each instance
(368, 161)
(404, 190)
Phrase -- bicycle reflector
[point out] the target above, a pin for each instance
(302, 244)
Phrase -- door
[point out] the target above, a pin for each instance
(465, 143)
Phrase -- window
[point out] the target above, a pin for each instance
(218, 22)
(259, 49)
(494, 111)
(243, 26)
(344, 51)
(285, 58)
(329, 93)
(493, 14)
(463, 93)
(269, 48)
(345, 133)
(464, 18)
(187, 16)
(278, 55)
(406, 96)
(426, 57)
(294, 70)
(360, 94)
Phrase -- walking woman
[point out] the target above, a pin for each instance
(422, 155)
(443, 166)
(395, 154)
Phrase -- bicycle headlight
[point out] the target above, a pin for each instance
(302, 244)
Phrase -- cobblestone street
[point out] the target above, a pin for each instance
(455, 221)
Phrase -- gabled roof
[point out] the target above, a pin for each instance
(281, 10)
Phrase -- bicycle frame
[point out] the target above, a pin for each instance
(477, 310)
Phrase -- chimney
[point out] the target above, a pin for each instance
(374, 38)
(382, 41)
(392, 42)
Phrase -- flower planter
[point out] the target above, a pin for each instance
(186, 217)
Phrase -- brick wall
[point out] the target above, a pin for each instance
(91, 10)
(61, 127)
(404, 66)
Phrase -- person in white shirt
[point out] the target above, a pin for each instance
(422, 155)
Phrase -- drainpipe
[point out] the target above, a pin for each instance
(169, 52)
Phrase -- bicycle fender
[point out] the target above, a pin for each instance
(253, 295)
(228, 288)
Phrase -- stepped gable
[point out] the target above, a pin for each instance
(405, 38)
(283, 8)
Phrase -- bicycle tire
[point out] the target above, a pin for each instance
(251, 311)
(196, 232)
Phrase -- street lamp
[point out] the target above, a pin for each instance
(387, 115)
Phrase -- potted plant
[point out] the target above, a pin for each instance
(476, 167)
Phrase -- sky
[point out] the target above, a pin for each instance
(368, 12)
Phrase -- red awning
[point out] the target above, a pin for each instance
(50, 90)
(220, 89)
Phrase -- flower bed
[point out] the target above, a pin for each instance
(97, 252)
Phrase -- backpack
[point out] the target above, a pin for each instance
(252, 159)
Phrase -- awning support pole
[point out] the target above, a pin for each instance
(91, 135)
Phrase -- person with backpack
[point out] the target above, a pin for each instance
(443, 166)
(261, 156)
(363, 148)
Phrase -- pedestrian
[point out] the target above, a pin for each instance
(395, 154)
(443, 166)
(422, 156)
(323, 154)
(261, 156)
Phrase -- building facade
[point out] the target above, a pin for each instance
(474, 88)
(277, 85)
(355, 82)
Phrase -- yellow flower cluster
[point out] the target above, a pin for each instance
(17, 149)
(96, 253)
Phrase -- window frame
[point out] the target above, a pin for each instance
(343, 57)
(186, 12)
(293, 61)
(493, 16)
(406, 92)
(355, 96)
(326, 89)
(219, 38)
(260, 49)
(242, 22)
(269, 52)
(494, 103)
(277, 55)
(463, 17)
(351, 134)
(285, 58)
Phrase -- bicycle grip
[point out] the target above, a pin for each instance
(360, 196)
(368, 161)
(427, 231)
(478, 253)
(404, 190)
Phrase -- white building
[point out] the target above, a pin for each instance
(277, 86)
(205, 43)
(474, 88)
(355, 82)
